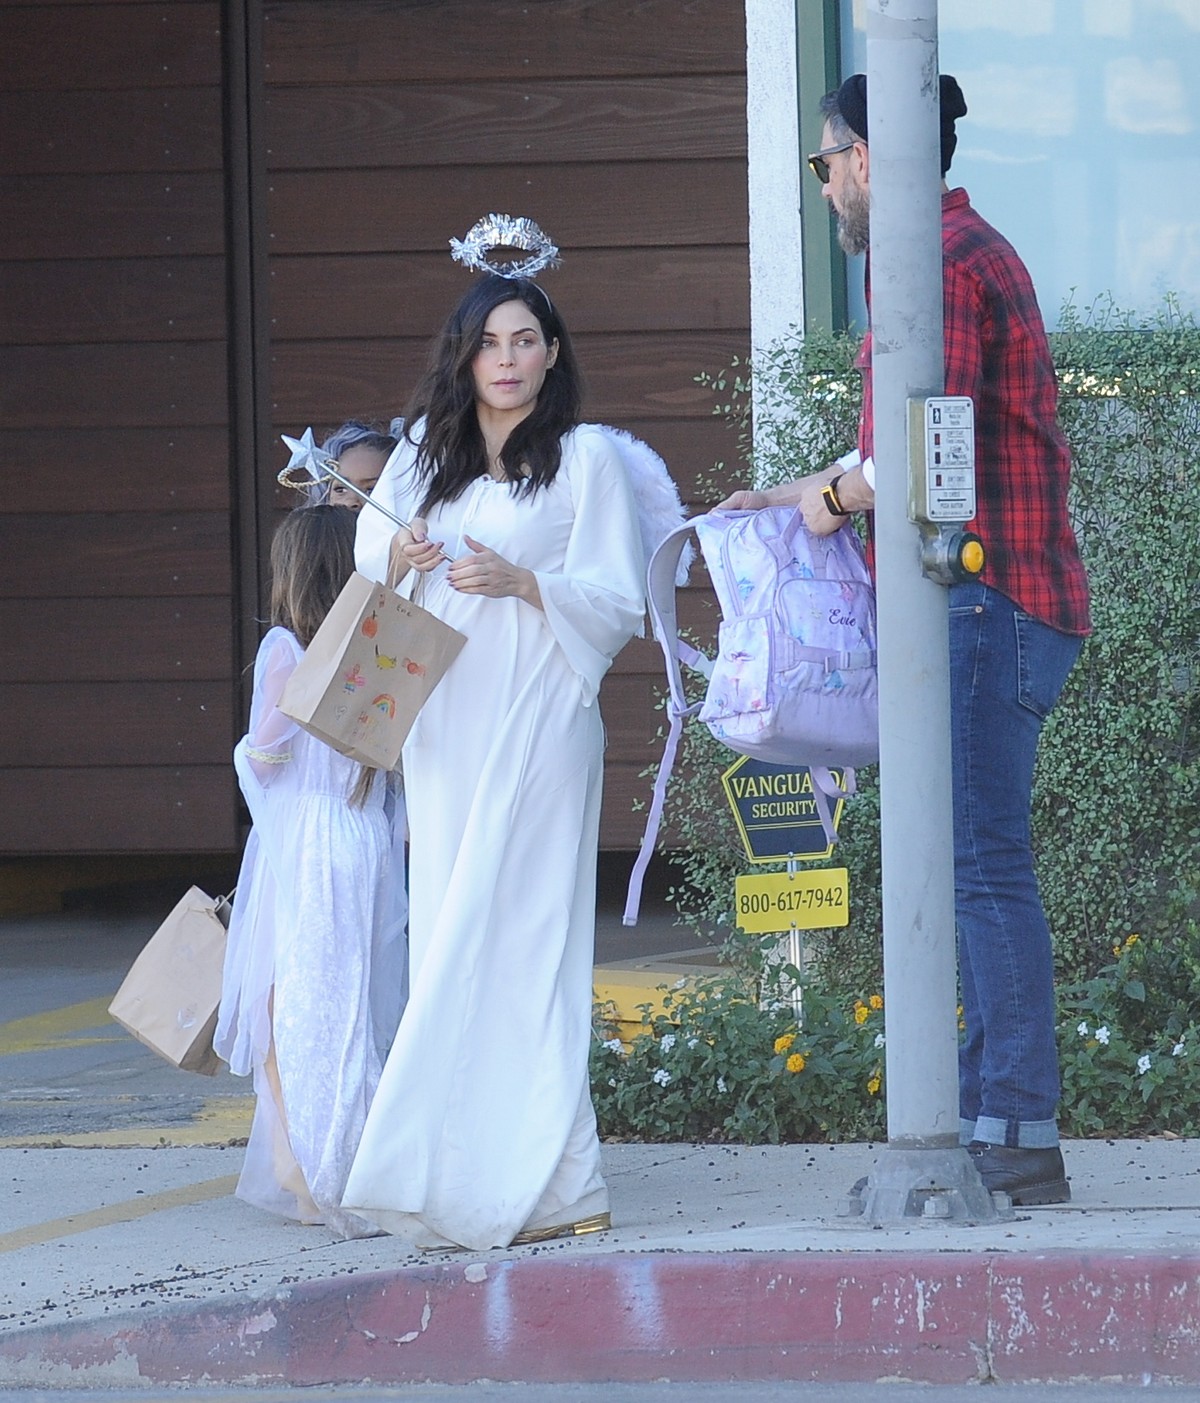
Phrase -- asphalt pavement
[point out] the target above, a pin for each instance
(127, 1262)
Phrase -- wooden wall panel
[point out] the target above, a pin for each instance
(102, 132)
(117, 681)
(468, 42)
(161, 45)
(112, 216)
(142, 555)
(154, 469)
(593, 204)
(114, 386)
(182, 639)
(619, 125)
(426, 124)
(116, 809)
(89, 301)
(127, 723)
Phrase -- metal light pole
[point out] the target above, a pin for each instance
(922, 1171)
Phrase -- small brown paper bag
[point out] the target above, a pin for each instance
(169, 998)
(369, 670)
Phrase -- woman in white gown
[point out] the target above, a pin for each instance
(525, 538)
(318, 915)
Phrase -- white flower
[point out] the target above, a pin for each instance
(614, 1045)
(667, 1041)
(1102, 1035)
(1178, 1050)
(1143, 1064)
(662, 1077)
(691, 1042)
(879, 1040)
(721, 1087)
(612, 1081)
(1082, 1030)
(680, 983)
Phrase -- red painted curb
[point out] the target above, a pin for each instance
(934, 1317)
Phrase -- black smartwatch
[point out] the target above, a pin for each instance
(830, 495)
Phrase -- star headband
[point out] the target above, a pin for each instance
(496, 232)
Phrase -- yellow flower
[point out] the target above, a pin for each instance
(873, 1086)
(861, 1013)
(795, 1062)
(1132, 940)
(876, 1001)
(782, 1044)
(1117, 949)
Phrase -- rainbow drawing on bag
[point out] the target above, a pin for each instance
(385, 704)
(354, 679)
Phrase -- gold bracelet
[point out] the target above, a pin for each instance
(269, 757)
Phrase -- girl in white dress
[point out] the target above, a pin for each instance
(524, 536)
(316, 906)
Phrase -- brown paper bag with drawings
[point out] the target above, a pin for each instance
(169, 998)
(369, 670)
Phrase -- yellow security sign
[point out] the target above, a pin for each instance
(780, 901)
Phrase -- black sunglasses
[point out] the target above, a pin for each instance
(820, 166)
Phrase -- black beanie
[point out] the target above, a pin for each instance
(851, 102)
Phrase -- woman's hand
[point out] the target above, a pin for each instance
(484, 572)
(416, 549)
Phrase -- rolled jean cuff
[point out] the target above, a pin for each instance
(1031, 1134)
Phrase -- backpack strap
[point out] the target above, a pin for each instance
(660, 595)
(825, 788)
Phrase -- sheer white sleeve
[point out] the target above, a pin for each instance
(267, 744)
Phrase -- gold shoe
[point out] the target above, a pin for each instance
(598, 1222)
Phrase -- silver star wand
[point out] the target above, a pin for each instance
(308, 457)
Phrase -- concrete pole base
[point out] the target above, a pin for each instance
(938, 1185)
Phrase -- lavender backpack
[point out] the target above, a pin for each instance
(794, 680)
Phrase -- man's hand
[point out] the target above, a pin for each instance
(744, 501)
(852, 492)
(813, 507)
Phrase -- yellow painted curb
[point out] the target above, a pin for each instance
(43, 1032)
(626, 985)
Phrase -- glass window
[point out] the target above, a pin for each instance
(1080, 142)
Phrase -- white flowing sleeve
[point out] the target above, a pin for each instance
(262, 759)
(595, 604)
(266, 747)
(397, 491)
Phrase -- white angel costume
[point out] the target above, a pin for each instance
(483, 1124)
(314, 966)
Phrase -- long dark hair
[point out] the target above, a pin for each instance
(312, 557)
(450, 452)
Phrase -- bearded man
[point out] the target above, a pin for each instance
(1014, 635)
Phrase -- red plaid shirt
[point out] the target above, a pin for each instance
(996, 352)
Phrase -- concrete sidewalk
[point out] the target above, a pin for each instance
(137, 1266)
(126, 1261)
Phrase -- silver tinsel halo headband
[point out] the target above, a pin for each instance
(504, 231)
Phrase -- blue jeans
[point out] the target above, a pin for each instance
(1006, 671)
